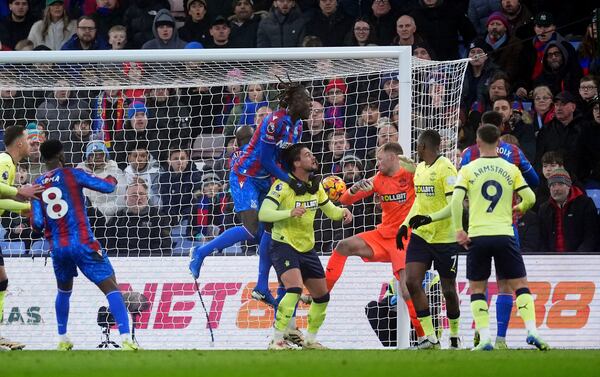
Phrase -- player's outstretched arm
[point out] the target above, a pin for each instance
(336, 213)
(360, 190)
(14, 206)
(90, 181)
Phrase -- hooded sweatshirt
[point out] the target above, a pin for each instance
(164, 15)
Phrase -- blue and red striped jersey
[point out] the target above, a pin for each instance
(276, 129)
(510, 153)
(61, 212)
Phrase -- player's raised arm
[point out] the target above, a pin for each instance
(360, 190)
(92, 182)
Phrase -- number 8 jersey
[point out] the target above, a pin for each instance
(490, 183)
(61, 212)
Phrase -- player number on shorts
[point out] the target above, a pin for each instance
(56, 207)
(495, 197)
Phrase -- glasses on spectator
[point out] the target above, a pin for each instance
(362, 29)
(542, 98)
(587, 87)
(86, 28)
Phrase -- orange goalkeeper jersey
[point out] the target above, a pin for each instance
(396, 194)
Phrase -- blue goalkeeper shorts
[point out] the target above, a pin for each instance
(95, 266)
(247, 192)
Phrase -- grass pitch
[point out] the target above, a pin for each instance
(300, 363)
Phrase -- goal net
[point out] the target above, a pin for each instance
(163, 124)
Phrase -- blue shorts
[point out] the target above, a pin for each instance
(247, 192)
(94, 266)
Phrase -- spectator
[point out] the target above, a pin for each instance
(142, 166)
(15, 107)
(329, 23)
(386, 132)
(219, 31)
(210, 209)
(244, 24)
(421, 50)
(388, 96)
(440, 24)
(196, 26)
(531, 57)
(588, 90)
(517, 14)
(505, 47)
(406, 32)
(543, 107)
(479, 72)
(559, 72)
(562, 133)
(568, 220)
(108, 14)
(284, 26)
(337, 147)
(134, 71)
(58, 112)
(205, 105)
(24, 45)
(138, 229)
(315, 134)
(136, 130)
(515, 124)
(362, 34)
(261, 114)
(139, 20)
(588, 52)
(81, 135)
(177, 184)
(36, 166)
(364, 134)
(550, 162)
(383, 18)
(108, 114)
(233, 99)
(335, 103)
(15, 27)
(255, 99)
(55, 28)
(86, 37)
(499, 87)
(479, 11)
(98, 162)
(168, 124)
(165, 36)
(589, 147)
(117, 37)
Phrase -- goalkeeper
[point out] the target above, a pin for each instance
(251, 176)
(292, 248)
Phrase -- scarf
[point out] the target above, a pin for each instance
(100, 124)
(497, 44)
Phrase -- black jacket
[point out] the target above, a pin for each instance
(139, 20)
(12, 32)
(555, 136)
(133, 234)
(243, 35)
(580, 223)
(331, 30)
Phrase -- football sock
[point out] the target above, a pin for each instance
(454, 325)
(3, 287)
(481, 315)
(504, 305)
(224, 240)
(61, 306)
(335, 267)
(264, 262)
(316, 313)
(413, 318)
(526, 307)
(427, 324)
(119, 311)
(285, 309)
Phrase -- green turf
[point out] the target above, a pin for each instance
(300, 363)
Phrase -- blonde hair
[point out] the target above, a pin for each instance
(47, 20)
(117, 29)
(542, 88)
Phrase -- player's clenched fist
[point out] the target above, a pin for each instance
(347, 216)
(362, 185)
(298, 212)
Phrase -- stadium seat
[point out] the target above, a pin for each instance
(2, 233)
(13, 248)
(40, 248)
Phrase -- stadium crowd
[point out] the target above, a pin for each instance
(535, 63)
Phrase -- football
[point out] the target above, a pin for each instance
(334, 187)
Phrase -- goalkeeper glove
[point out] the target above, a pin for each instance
(299, 187)
(401, 236)
(315, 182)
(419, 220)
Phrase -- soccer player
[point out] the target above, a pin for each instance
(17, 149)
(250, 179)
(514, 155)
(292, 248)
(394, 185)
(432, 239)
(489, 183)
(61, 213)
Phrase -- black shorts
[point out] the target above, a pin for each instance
(284, 258)
(1, 258)
(443, 255)
(505, 252)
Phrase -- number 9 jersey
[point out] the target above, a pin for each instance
(61, 212)
(490, 183)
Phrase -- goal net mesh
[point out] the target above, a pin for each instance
(165, 131)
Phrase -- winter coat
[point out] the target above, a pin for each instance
(150, 176)
(128, 138)
(588, 150)
(507, 56)
(196, 31)
(12, 32)
(177, 191)
(579, 223)
(75, 150)
(139, 20)
(558, 137)
(479, 11)
(243, 35)
(17, 110)
(157, 43)
(58, 116)
(107, 203)
(566, 78)
(55, 36)
(330, 29)
(138, 234)
(278, 30)
(105, 21)
(73, 44)
(477, 87)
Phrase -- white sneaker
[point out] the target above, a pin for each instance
(13, 346)
(294, 336)
(279, 345)
(313, 346)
